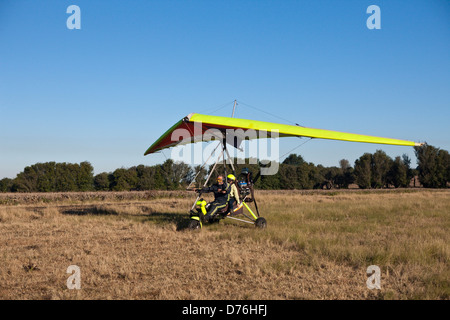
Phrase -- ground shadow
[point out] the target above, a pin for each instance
(180, 220)
(82, 211)
(160, 218)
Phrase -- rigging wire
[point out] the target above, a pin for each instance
(273, 115)
(162, 152)
(202, 166)
(268, 113)
(295, 148)
(217, 108)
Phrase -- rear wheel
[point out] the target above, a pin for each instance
(261, 223)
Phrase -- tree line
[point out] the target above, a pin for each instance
(376, 170)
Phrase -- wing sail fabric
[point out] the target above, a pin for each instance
(195, 125)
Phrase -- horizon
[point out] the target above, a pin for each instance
(236, 161)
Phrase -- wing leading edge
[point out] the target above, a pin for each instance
(195, 125)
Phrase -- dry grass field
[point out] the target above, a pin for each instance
(135, 245)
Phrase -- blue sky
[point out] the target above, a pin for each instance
(106, 92)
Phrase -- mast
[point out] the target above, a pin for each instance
(225, 143)
(234, 107)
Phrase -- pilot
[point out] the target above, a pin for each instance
(234, 193)
(221, 195)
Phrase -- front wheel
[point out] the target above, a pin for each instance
(261, 223)
(194, 224)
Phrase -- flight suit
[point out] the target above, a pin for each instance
(221, 197)
(234, 196)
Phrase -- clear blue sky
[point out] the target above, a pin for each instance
(105, 93)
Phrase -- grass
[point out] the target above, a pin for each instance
(317, 245)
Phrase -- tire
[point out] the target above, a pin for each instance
(261, 223)
(194, 224)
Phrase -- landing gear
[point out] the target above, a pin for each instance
(197, 217)
(240, 212)
(261, 223)
(194, 224)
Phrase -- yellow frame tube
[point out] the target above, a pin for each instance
(250, 210)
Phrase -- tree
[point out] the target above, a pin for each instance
(199, 173)
(149, 178)
(182, 174)
(288, 177)
(363, 171)
(349, 177)
(269, 182)
(46, 176)
(443, 168)
(410, 172)
(26, 181)
(334, 177)
(346, 176)
(306, 175)
(174, 173)
(433, 166)
(370, 170)
(344, 164)
(6, 185)
(101, 182)
(66, 174)
(398, 173)
(294, 159)
(85, 177)
(381, 164)
(124, 179)
(55, 177)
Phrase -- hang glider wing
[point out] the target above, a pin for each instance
(194, 128)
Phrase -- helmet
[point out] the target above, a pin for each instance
(231, 177)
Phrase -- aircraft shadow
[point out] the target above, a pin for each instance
(160, 218)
